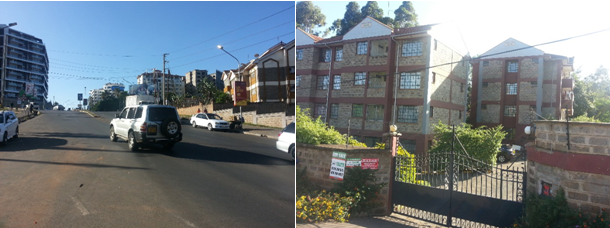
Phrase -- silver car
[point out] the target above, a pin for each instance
(286, 140)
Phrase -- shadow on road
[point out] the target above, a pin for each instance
(73, 164)
(33, 143)
(198, 152)
(70, 135)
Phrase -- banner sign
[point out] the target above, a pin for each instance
(239, 94)
(353, 162)
(140, 89)
(337, 166)
(29, 89)
(85, 102)
(370, 163)
(80, 96)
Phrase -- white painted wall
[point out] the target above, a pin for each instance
(367, 28)
(511, 44)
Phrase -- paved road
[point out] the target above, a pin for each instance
(63, 171)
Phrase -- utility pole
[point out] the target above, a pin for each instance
(163, 79)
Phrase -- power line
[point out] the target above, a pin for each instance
(108, 55)
(234, 30)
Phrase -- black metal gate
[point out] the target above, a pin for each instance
(457, 190)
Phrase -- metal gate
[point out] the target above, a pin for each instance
(454, 189)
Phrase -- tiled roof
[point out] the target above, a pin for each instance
(314, 37)
(400, 31)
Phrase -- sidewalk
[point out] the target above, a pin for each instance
(261, 131)
(392, 221)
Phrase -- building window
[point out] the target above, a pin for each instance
(510, 110)
(409, 145)
(321, 111)
(485, 63)
(431, 111)
(362, 48)
(534, 84)
(357, 110)
(323, 82)
(339, 56)
(511, 89)
(334, 111)
(534, 60)
(325, 55)
(374, 112)
(360, 78)
(410, 80)
(299, 54)
(483, 106)
(412, 49)
(297, 81)
(512, 66)
(433, 77)
(377, 79)
(337, 82)
(485, 84)
(407, 114)
(371, 141)
(510, 133)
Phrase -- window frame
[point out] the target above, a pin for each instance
(336, 83)
(360, 49)
(324, 84)
(511, 88)
(360, 81)
(325, 55)
(507, 110)
(512, 66)
(299, 54)
(412, 48)
(361, 110)
(407, 114)
(405, 77)
(297, 81)
(339, 54)
(334, 111)
(375, 112)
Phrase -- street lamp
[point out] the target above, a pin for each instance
(238, 72)
(4, 60)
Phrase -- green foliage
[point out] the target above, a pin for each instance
(360, 185)
(585, 118)
(309, 16)
(481, 143)
(206, 92)
(554, 211)
(316, 132)
(592, 95)
(351, 18)
(323, 206)
(222, 97)
(405, 15)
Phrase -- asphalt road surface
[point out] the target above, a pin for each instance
(63, 171)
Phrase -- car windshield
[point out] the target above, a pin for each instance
(214, 117)
(160, 113)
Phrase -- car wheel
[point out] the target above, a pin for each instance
(194, 124)
(5, 139)
(210, 127)
(293, 153)
(16, 133)
(133, 146)
(170, 127)
(112, 134)
(501, 158)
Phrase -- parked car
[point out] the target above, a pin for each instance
(286, 140)
(9, 126)
(142, 125)
(209, 120)
(505, 153)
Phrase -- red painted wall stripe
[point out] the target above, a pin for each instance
(587, 163)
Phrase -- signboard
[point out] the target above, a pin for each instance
(80, 96)
(29, 89)
(139, 89)
(370, 163)
(337, 165)
(239, 94)
(353, 162)
(85, 102)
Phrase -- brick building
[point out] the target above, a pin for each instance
(270, 77)
(513, 88)
(376, 76)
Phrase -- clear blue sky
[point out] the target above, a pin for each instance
(109, 41)
(485, 24)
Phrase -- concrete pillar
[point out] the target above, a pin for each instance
(393, 140)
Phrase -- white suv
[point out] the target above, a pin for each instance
(286, 140)
(9, 126)
(147, 124)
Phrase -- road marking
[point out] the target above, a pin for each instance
(186, 221)
(80, 206)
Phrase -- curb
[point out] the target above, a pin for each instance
(89, 113)
(260, 135)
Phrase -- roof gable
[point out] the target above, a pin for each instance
(304, 38)
(369, 27)
(509, 45)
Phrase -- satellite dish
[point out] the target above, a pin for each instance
(256, 55)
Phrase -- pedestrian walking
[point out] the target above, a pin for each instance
(205, 110)
(12, 106)
(198, 110)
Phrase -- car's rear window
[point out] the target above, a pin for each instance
(160, 113)
(289, 128)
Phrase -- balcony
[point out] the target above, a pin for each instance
(567, 84)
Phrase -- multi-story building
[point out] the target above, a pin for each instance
(192, 78)
(95, 95)
(512, 88)
(173, 83)
(375, 76)
(270, 77)
(24, 66)
(110, 87)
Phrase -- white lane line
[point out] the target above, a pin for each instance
(80, 206)
(186, 221)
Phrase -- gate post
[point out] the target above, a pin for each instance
(393, 141)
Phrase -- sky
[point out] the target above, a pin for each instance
(90, 44)
(485, 24)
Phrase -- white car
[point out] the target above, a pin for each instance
(209, 120)
(9, 126)
(286, 140)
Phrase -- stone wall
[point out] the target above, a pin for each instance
(583, 170)
(526, 116)
(458, 93)
(549, 93)
(350, 58)
(527, 92)
(414, 60)
(441, 88)
(413, 127)
(528, 68)
(492, 92)
(491, 114)
(278, 119)
(493, 70)
(308, 58)
(440, 114)
(317, 161)
(348, 89)
(550, 70)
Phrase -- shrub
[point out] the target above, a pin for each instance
(543, 211)
(324, 206)
(316, 132)
(360, 185)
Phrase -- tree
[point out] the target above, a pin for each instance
(309, 16)
(351, 18)
(405, 16)
(206, 92)
(222, 98)
(372, 9)
(480, 143)
(592, 95)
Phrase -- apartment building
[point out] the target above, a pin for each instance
(173, 83)
(95, 95)
(24, 66)
(270, 77)
(194, 77)
(375, 76)
(513, 88)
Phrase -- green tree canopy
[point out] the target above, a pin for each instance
(592, 95)
(351, 18)
(309, 16)
(405, 15)
(372, 9)
(480, 143)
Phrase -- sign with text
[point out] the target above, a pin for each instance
(80, 96)
(30, 89)
(370, 163)
(240, 95)
(337, 165)
(353, 162)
